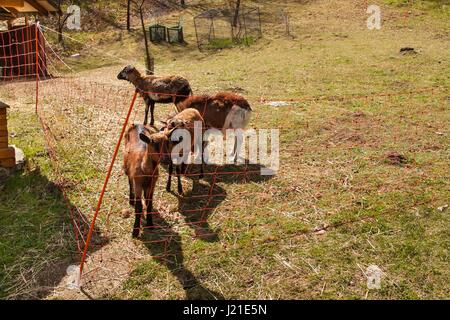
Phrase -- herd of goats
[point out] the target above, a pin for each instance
(146, 146)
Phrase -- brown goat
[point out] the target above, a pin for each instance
(183, 120)
(168, 89)
(225, 110)
(141, 160)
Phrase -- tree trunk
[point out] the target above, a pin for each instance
(128, 15)
(149, 58)
(236, 13)
(60, 30)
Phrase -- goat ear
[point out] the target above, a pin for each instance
(172, 124)
(145, 138)
(217, 104)
(159, 125)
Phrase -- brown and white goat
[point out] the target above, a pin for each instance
(165, 89)
(186, 119)
(141, 159)
(225, 110)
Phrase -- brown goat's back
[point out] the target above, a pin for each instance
(215, 109)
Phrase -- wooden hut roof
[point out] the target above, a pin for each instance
(3, 105)
(18, 8)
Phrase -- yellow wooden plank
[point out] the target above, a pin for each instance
(8, 163)
(6, 153)
(13, 3)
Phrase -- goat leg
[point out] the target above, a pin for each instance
(152, 109)
(180, 186)
(132, 199)
(137, 217)
(147, 106)
(238, 141)
(169, 178)
(202, 172)
(149, 208)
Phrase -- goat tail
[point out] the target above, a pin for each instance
(238, 118)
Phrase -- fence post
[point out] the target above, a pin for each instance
(105, 184)
(37, 64)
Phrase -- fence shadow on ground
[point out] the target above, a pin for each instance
(164, 244)
(197, 204)
(37, 236)
(237, 173)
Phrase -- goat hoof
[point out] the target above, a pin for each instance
(167, 189)
(201, 176)
(135, 233)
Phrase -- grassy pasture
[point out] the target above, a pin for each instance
(360, 182)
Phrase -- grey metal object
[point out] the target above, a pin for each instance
(175, 34)
(157, 33)
(215, 28)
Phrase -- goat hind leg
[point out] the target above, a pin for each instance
(137, 211)
(147, 106)
(169, 178)
(180, 186)
(202, 172)
(132, 199)
(149, 206)
(152, 110)
(137, 217)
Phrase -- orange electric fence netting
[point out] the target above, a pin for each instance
(84, 121)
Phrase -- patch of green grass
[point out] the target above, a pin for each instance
(220, 43)
(36, 229)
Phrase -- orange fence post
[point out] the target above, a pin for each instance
(108, 175)
(37, 65)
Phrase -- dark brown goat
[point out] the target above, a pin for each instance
(141, 160)
(166, 89)
(184, 120)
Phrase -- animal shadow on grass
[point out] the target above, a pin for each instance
(164, 244)
(37, 235)
(197, 203)
(237, 173)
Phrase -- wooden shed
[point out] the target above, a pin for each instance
(7, 153)
(18, 42)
